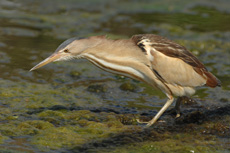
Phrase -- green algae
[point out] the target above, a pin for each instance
(75, 74)
(202, 93)
(85, 127)
(58, 137)
(2, 138)
(31, 96)
(97, 88)
(169, 145)
(152, 91)
(50, 113)
(128, 87)
(35, 96)
(10, 129)
(33, 127)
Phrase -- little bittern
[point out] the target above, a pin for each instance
(153, 59)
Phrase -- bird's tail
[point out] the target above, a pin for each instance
(212, 81)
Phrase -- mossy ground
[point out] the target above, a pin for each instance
(49, 124)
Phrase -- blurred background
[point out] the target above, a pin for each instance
(32, 104)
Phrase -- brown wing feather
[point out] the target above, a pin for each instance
(172, 49)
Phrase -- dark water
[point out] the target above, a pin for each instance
(32, 103)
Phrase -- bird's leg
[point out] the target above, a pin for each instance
(167, 104)
(177, 106)
(178, 102)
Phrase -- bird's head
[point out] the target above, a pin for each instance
(71, 48)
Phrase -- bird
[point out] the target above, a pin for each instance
(153, 59)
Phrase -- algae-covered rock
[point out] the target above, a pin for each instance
(127, 119)
(98, 88)
(75, 74)
(34, 127)
(57, 137)
(10, 129)
(50, 113)
(128, 87)
(54, 117)
(2, 138)
(81, 114)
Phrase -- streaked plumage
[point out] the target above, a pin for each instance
(153, 59)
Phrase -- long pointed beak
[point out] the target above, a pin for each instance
(52, 58)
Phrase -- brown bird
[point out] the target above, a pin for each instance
(150, 58)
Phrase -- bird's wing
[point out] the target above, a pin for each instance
(173, 62)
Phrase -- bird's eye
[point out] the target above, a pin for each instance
(66, 51)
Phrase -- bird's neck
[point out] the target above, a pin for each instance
(107, 47)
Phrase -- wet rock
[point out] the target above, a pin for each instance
(193, 117)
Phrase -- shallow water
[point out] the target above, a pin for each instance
(76, 107)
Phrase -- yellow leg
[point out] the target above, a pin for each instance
(163, 109)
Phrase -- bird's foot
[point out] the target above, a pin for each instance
(148, 123)
(141, 122)
(174, 112)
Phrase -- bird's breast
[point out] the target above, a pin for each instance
(116, 66)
